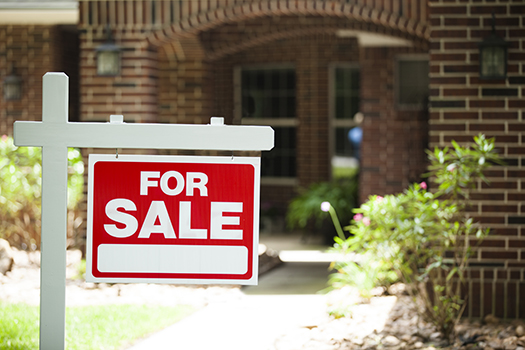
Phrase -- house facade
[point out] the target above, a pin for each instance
(404, 72)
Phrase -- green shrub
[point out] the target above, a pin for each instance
(20, 193)
(425, 236)
(305, 208)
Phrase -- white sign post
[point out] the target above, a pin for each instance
(55, 134)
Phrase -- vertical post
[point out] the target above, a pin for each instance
(54, 217)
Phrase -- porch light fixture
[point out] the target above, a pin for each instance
(12, 86)
(108, 56)
(493, 56)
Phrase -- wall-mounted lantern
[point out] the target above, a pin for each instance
(108, 56)
(12, 85)
(493, 56)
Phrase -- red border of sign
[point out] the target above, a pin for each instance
(114, 176)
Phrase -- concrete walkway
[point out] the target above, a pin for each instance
(286, 298)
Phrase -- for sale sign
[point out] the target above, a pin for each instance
(173, 219)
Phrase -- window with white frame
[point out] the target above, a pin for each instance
(412, 81)
(345, 119)
(266, 95)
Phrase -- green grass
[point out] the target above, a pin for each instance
(98, 327)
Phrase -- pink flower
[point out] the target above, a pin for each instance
(4, 138)
(366, 221)
(358, 217)
(423, 185)
(325, 206)
(379, 199)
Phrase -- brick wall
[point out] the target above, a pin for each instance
(133, 93)
(178, 65)
(394, 139)
(462, 106)
(35, 50)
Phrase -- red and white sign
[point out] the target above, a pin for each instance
(173, 219)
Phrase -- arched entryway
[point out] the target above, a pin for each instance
(289, 65)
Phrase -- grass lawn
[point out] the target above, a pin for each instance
(88, 327)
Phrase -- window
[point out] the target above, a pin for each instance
(345, 118)
(266, 96)
(268, 93)
(412, 82)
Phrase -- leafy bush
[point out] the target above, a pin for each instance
(20, 193)
(304, 209)
(366, 274)
(424, 236)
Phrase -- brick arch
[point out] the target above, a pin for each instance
(192, 26)
(286, 33)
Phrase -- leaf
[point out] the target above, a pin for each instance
(451, 273)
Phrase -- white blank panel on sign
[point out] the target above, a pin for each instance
(172, 258)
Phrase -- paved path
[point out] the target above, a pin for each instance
(286, 298)
(254, 323)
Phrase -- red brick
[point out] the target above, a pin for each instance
(487, 10)
(486, 208)
(502, 21)
(502, 275)
(461, 115)
(516, 196)
(460, 92)
(461, 21)
(448, 57)
(492, 173)
(448, 127)
(516, 173)
(486, 127)
(515, 150)
(499, 115)
(476, 81)
(517, 9)
(460, 45)
(479, 34)
(515, 243)
(516, 127)
(448, 33)
(516, 33)
(500, 185)
(447, 80)
(487, 103)
(489, 219)
(515, 275)
(517, 103)
(504, 231)
(447, 10)
(493, 243)
(498, 255)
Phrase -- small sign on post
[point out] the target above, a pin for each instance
(55, 134)
(173, 219)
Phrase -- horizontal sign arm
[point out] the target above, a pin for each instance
(154, 136)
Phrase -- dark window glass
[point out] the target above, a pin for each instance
(346, 92)
(413, 82)
(268, 93)
(280, 161)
